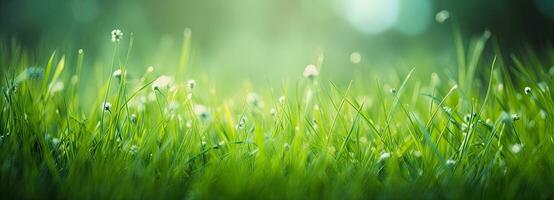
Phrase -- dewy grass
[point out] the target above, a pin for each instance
(154, 136)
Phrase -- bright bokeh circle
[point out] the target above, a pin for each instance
(372, 16)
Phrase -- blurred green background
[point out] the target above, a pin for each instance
(268, 40)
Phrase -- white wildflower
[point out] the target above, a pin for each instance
(464, 127)
(366, 101)
(310, 71)
(191, 84)
(488, 121)
(134, 149)
(516, 148)
(500, 87)
(139, 103)
(162, 82)
(201, 111)
(515, 117)
(469, 117)
(355, 57)
(384, 156)
(435, 79)
(150, 69)
(55, 141)
(242, 123)
(417, 153)
(172, 107)
(74, 79)
(133, 118)
(363, 140)
(442, 16)
(286, 146)
(282, 99)
(450, 162)
(117, 74)
(527, 90)
(254, 99)
(106, 106)
(58, 86)
(447, 109)
(117, 35)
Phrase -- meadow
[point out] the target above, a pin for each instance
(479, 129)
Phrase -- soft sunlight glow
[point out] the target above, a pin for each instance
(372, 16)
(415, 16)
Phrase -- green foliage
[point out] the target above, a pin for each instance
(371, 138)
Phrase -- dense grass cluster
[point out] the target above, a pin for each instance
(485, 131)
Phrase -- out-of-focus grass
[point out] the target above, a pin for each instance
(469, 131)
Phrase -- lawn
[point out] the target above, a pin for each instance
(481, 128)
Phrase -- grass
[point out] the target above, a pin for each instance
(471, 134)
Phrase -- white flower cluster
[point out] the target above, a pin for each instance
(162, 82)
(310, 71)
(117, 35)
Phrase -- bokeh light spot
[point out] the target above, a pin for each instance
(372, 16)
(415, 16)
